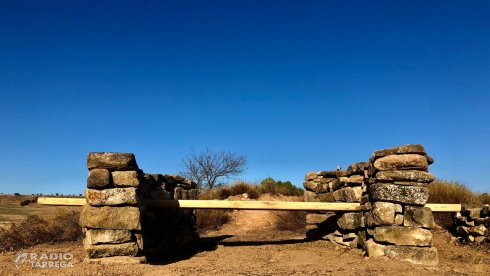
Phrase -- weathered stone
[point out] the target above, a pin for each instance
(348, 194)
(414, 195)
(314, 197)
(472, 212)
(351, 221)
(329, 174)
(98, 236)
(430, 160)
(99, 179)
(349, 236)
(405, 176)
(126, 178)
(358, 168)
(317, 187)
(402, 162)
(419, 216)
(410, 148)
(352, 180)
(398, 219)
(485, 211)
(110, 217)
(425, 256)
(113, 161)
(311, 176)
(400, 235)
(139, 240)
(318, 218)
(382, 213)
(117, 260)
(462, 230)
(374, 249)
(116, 196)
(480, 239)
(109, 250)
(478, 230)
(398, 208)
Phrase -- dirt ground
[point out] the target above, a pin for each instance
(250, 245)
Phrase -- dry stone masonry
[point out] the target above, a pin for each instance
(117, 225)
(473, 224)
(392, 220)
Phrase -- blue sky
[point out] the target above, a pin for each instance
(295, 86)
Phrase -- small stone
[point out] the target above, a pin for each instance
(382, 213)
(139, 240)
(462, 230)
(398, 208)
(472, 212)
(99, 236)
(405, 176)
(125, 179)
(419, 216)
(425, 256)
(115, 196)
(318, 218)
(349, 236)
(398, 219)
(358, 168)
(480, 239)
(374, 249)
(315, 197)
(125, 218)
(399, 235)
(413, 195)
(311, 176)
(478, 230)
(402, 162)
(99, 179)
(348, 194)
(109, 250)
(113, 161)
(410, 148)
(485, 211)
(351, 221)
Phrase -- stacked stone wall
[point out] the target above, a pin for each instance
(473, 224)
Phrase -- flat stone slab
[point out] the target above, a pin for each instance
(402, 162)
(100, 236)
(413, 195)
(419, 217)
(109, 250)
(348, 194)
(405, 149)
(425, 256)
(113, 161)
(116, 196)
(405, 176)
(399, 235)
(124, 218)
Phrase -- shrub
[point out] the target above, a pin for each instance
(270, 186)
(443, 191)
(35, 230)
(290, 220)
(211, 218)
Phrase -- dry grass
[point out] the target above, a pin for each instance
(291, 220)
(36, 230)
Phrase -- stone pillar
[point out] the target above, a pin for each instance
(398, 226)
(111, 219)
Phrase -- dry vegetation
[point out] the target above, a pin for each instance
(35, 230)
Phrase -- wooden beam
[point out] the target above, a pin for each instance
(246, 205)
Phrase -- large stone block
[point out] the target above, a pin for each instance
(125, 218)
(315, 186)
(109, 250)
(405, 176)
(425, 256)
(113, 161)
(405, 149)
(352, 180)
(400, 235)
(351, 221)
(116, 196)
(358, 168)
(99, 179)
(314, 197)
(348, 194)
(99, 236)
(402, 162)
(382, 213)
(126, 178)
(413, 195)
(419, 217)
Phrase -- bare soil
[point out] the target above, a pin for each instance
(251, 245)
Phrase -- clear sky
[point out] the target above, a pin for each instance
(295, 86)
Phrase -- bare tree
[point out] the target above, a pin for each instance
(210, 169)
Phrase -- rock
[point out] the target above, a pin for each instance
(400, 235)
(126, 179)
(317, 187)
(430, 160)
(410, 148)
(113, 161)
(419, 216)
(358, 168)
(402, 162)
(329, 174)
(478, 230)
(485, 211)
(413, 195)
(117, 260)
(311, 176)
(374, 249)
(115, 196)
(352, 180)
(109, 250)
(124, 218)
(405, 176)
(382, 213)
(98, 236)
(471, 212)
(139, 240)
(398, 208)
(462, 230)
(480, 239)
(348, 194)
(180, 193)
(99, 179)
(318, 218)
(399, 219)
(349, 236)
(425, 256)
(314, 197)
(351, 221)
